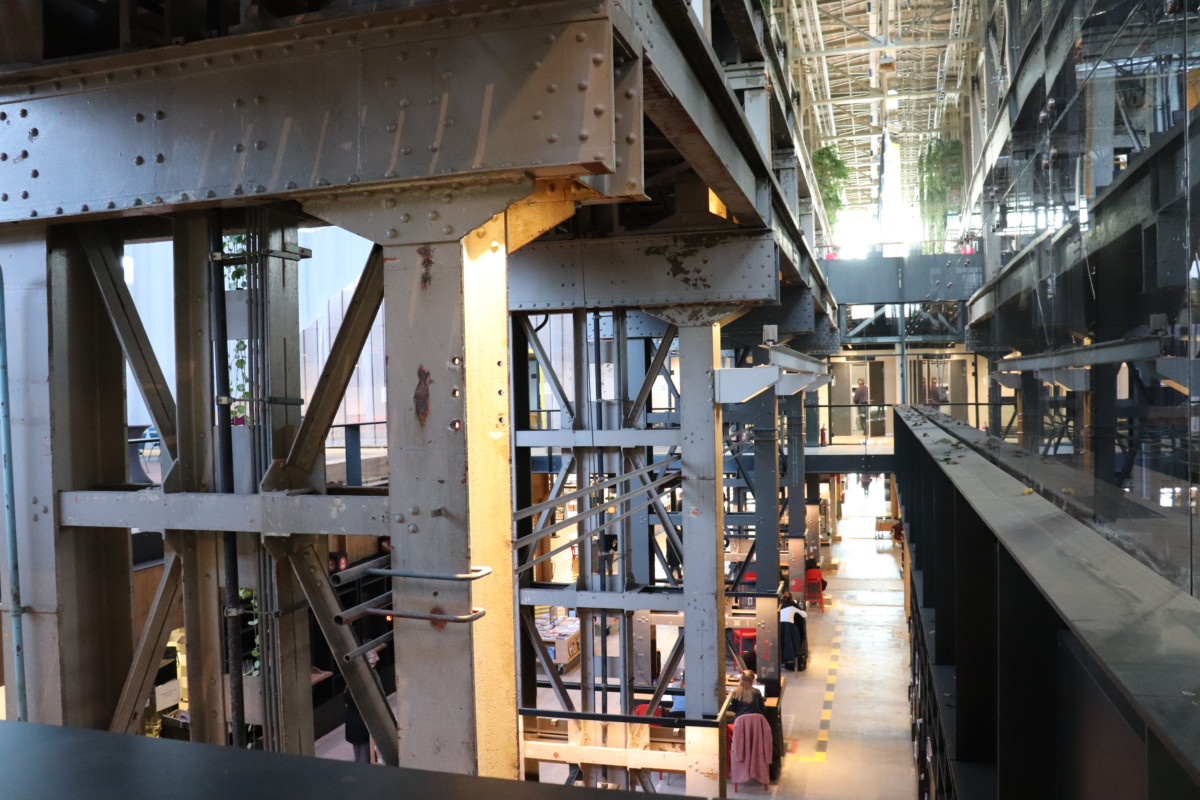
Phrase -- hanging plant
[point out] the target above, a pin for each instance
(832, 174)
(940, 176)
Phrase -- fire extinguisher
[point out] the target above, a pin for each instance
(823, 435)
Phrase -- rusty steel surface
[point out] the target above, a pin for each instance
(647, 270)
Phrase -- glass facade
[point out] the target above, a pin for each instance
(1080, 148)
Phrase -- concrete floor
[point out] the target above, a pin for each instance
(858, 673)
(859, 668)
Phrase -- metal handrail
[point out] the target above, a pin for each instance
(375, 567)
(662, 722)
(360, 610)
(371, 645)
(357, 571)
(475, 574)
(475, 614)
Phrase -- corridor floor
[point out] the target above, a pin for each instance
(845, 718)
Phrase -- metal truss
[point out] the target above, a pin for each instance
(869, 70)
(452, 135)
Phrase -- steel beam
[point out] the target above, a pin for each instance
(795, 361)
(297, 470)
(878, 97)
(1147, 348)
(795, 314)
(127, 324)
(625, 438)
(364, 687)
(649, 270)
(735, 385)
(232, 117)
(263, 513)
(147, 655)
(878, 46)
(634, 414)
(608, 601)
(547, 368)
(543, 656)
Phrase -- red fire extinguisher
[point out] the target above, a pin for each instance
(823, 435)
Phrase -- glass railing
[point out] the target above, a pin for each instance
(832, 424)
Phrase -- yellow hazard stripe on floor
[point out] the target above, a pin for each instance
(822, 743)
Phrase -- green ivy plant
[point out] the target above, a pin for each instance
(832, 174)
(236, 278)
(249, 600)
(940, 176)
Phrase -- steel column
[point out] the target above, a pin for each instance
(765, 414)
(450, 492)
(281, 347)
(793, 409)
(90, 570)
(87, 433)
(200, 550)
(23, 257)
(1031, 412)
(704, 582)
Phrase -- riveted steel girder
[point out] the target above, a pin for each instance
(644, 271)
(527, 91)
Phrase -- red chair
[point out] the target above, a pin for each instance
(813, 589)
(744, 640)
(641, 711)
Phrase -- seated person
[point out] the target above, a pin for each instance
(678, 709)
(747, 699)
(897, 532)
(811, 564)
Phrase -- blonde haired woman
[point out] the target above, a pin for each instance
(746, 699)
